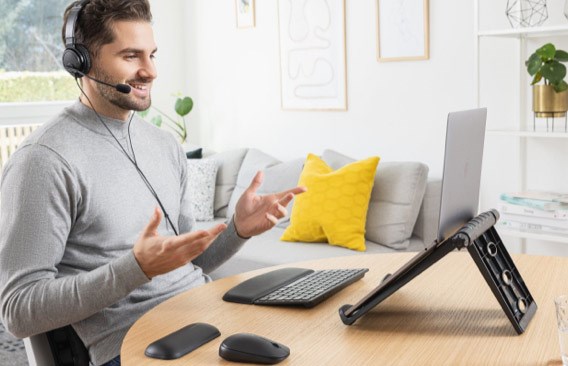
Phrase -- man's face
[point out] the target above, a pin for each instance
(129, 59)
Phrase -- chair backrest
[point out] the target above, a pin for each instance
(58, 347)
(10, 138)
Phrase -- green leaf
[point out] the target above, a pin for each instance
(561, 86)
(184, 106)
(546, 52)
(553, 71)
(143, 114)
(561, 56)
(534, 63)
(157, 120)
(537, 78)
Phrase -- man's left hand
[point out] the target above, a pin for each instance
(256, 214)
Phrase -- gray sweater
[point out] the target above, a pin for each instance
(72, 208)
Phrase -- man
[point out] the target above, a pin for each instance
(82, 240)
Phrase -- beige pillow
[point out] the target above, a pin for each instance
(229, 163)
(278, 177)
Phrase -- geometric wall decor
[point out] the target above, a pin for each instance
(526, 13)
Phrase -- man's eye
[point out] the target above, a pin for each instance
(129, 57)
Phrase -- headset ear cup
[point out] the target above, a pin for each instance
(76, 59)
(72, 62)
(85, 58)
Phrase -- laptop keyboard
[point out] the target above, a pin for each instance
(313, 288)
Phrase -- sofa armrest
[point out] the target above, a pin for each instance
(426, 226)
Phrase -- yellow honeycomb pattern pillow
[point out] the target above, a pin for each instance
(334, 209)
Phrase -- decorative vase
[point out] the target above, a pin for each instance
(526, 13)
(547, 103)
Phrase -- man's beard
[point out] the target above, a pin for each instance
(119, 99)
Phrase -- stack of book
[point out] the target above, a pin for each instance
(535, 211)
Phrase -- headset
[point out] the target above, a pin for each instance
(77, 61)
(76, 58)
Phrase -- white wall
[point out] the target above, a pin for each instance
(396, 110)
(170, 35)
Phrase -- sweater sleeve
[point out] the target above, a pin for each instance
(224, 247)
(40, 200)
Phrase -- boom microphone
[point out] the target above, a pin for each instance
(123, 88)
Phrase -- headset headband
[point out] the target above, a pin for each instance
(72, 22)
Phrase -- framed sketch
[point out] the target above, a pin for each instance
(245, 13)
(402, 30)
(312, 55)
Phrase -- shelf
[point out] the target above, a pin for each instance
(532, 235)
(559, 133)
(526, 32)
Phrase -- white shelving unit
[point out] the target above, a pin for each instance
(532, 235)
(520, 37)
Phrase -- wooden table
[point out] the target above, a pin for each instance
(447, 315)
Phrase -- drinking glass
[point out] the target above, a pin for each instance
(561, 303)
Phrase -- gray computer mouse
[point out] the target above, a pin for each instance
(252, 348)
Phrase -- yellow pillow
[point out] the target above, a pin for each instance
(334, 209)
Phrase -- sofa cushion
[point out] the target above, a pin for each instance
(395, 200)
(267, 250)
(282, 177)
(334, 208)
(201, 186)
(229, 164)
(278, 177)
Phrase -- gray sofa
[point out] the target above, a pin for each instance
(402, 216)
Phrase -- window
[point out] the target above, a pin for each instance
(30, 52)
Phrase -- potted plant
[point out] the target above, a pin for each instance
(182, 107)
(551, 98)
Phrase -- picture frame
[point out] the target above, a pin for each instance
(313, 72)
(403, 30)
(245, 13)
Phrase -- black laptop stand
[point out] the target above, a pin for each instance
(489, 253)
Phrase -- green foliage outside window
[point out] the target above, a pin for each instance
(30, 52)
(37, 87)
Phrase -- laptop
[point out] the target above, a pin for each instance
(465, 136)
(460, 194)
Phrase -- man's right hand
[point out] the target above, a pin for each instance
(157, 254)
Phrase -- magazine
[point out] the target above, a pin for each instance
(509, 208)
(534, 203)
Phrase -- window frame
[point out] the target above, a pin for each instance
(25, 113)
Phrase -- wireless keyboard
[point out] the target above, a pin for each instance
(293, 286)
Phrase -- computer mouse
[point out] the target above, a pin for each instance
(252, 348)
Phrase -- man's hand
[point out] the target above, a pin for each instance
(157, 254)
(256, 214)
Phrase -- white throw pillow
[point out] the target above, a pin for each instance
(202, 174)
(229, 163)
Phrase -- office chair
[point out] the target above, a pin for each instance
(58, 347)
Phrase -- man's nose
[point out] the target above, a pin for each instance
(148, 69)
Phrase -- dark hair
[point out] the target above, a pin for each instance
(94, 26)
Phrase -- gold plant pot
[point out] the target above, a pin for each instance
(548, 103)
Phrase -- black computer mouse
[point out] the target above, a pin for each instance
(252, 348)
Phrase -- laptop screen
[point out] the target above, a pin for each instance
(465, 136)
